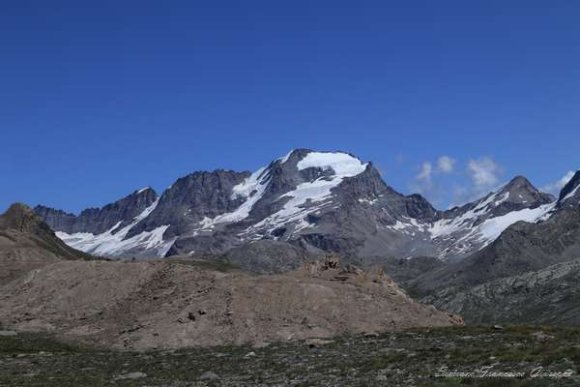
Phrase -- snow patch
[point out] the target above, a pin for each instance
(251, 184)
(368, 201)
(310, 197)
(483, 234)
(252, 189)
(114, 244)
(343, 164)
(492, 228)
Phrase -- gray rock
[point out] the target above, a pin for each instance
(547, 297)
(99, 220)
(570, 194)
(191, 199)
(542, 337)
(209, 376)
(268, 256)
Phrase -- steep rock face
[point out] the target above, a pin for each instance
(362, 221)
(192, 199)
(57, 219)
(99, 220)
(570, 195)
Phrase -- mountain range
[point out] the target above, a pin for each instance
(309, 201)
(47, 286)
(511, 256)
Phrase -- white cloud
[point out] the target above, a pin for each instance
(424, 179)
(484, 173)
(441, 183)
(426, 172)
(556, 187)
(445, 164)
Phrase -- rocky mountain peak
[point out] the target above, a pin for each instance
(22, 218)
(519, 183)
(419, 208)
(521, 191)
(191, 199)
(516, 195)
(320, 201)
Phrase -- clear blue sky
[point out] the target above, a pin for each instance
(100, 98)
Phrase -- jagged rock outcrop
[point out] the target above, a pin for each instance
(191, 199)
(570, 194)
(99, 220)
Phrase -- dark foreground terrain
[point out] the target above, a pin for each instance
(535, 356)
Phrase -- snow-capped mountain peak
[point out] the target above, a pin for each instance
(474, 225)
(317, 201)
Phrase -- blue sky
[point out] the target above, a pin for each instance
(100, 98)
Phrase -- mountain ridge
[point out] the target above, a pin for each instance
(319, 201)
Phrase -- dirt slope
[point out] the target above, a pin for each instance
(27, 243)
(168, 305)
